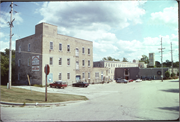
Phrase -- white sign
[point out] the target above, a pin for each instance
(35, 60)
(35, 68)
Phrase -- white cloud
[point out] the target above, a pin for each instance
(168, 17)
(2, 35)
(4, 45)
(91, 15)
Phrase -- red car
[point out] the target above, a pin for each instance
(58, 84)
(130, 80)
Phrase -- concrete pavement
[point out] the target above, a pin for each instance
(147, 100)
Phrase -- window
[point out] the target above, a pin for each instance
(77, 52)
(83, 50)
(101, 72)
(89, 51)
(18, 76)
(126, 71)
(51, 61)
(60, 47)
(97, 75)
(19, 62)
(77, 64)
(83, 76)
(29, 45)
(88, 63)
(19, 49)
(51, 45)
(68, 76)
(68, 61)
(60, 61)
(88, 75)
(68, 48)
(59, 76)
(83, 63)
(28, 61)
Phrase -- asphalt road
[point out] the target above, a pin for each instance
(147, 100)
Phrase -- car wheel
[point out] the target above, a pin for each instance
(62, 87)
(50, 86)
(56, 86)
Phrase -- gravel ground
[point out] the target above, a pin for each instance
(146, 100)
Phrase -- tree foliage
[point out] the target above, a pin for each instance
(167, 74)
(144, 59)
(109, 58)
(5, 66)
(125, 60)
(173, 74)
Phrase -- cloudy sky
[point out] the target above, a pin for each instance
(118, 29)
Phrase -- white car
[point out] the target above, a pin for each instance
(138, 80)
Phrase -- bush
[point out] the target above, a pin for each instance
(167, 74)
(173, 74)
(175, 77)
(177, 73)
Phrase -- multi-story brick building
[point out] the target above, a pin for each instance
(69, 58)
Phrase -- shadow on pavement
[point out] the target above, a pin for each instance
(174, 81)
(175, 108)
(171, 90)
(32, 100)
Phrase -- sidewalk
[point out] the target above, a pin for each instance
(38, 104)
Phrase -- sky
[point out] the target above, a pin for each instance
(120, 29)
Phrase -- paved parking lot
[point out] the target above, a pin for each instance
(147, 100)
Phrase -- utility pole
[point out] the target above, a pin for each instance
(161, 61)
(10, 53)
(171, 58)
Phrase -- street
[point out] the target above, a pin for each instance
(146, 100)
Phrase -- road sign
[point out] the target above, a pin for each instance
(47, 69)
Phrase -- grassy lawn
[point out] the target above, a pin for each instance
(22, 95)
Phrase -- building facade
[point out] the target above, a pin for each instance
(111, 65)
(69, 58)
(151, 59)
(136, 72)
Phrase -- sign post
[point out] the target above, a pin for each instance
(46, 70)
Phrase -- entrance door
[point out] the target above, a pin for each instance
(102, 77)
(126, 77)
(50, 78)
(78, 77)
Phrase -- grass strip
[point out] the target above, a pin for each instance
(19, 95)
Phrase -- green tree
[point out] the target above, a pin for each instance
(167, 74)
(125, 60)
(109, 58)
(144, 59)
(5, 66)
(157, 64)
(176, 64)
(173, 74)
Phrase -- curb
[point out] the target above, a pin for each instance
(37, 104)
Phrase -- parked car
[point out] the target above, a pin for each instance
(119, 80)
(58, 84)
(80, 84)
(130, 80)
(138, 80)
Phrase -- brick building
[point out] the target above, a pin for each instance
(70, 59)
